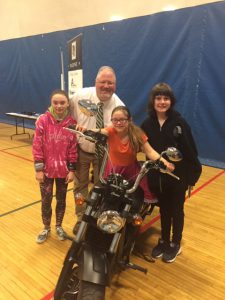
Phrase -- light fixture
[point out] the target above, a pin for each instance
(169, 7)
(116, 18)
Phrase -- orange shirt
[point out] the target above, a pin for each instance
(121, 154)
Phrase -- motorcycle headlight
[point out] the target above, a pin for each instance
(110, 221)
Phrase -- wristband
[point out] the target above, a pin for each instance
(39, 166)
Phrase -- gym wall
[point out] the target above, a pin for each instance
(185, 48)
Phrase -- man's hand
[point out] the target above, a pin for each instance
(80, 128)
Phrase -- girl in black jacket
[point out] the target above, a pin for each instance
(165, 128)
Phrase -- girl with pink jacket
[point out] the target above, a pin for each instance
(55, 155)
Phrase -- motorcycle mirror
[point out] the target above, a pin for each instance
(173, 154)
(87, 107)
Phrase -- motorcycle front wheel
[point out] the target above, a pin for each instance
(68, 285)
(91, 291)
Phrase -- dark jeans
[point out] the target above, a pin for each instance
(46, 204)
(171, 202)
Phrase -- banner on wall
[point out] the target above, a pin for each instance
(75, 72)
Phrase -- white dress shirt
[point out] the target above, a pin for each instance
(90, 122)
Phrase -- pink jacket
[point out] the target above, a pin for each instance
(54, 145)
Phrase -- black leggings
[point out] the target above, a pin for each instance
(46, 205)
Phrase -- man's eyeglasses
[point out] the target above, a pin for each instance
(121, 121)
(110, 83)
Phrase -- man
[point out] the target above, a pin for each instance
(103, 92)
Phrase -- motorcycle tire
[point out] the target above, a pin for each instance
(68, 285)
(91, 291)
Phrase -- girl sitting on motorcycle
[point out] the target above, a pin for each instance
(125, 140)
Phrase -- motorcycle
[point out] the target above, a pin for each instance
(106, 235)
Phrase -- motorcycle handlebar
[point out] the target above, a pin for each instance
(101, 139)
(147, 165)
(90, 135)
(72, 129)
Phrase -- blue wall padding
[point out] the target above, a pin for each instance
(185, 48)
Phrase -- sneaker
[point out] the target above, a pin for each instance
(76, 227)
(42, 237)
(61, 233)
(159, 249)
(171, 252)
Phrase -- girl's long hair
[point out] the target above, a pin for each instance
(135, 134)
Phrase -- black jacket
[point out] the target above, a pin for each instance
(175, 132)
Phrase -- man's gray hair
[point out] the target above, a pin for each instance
(105, 68)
